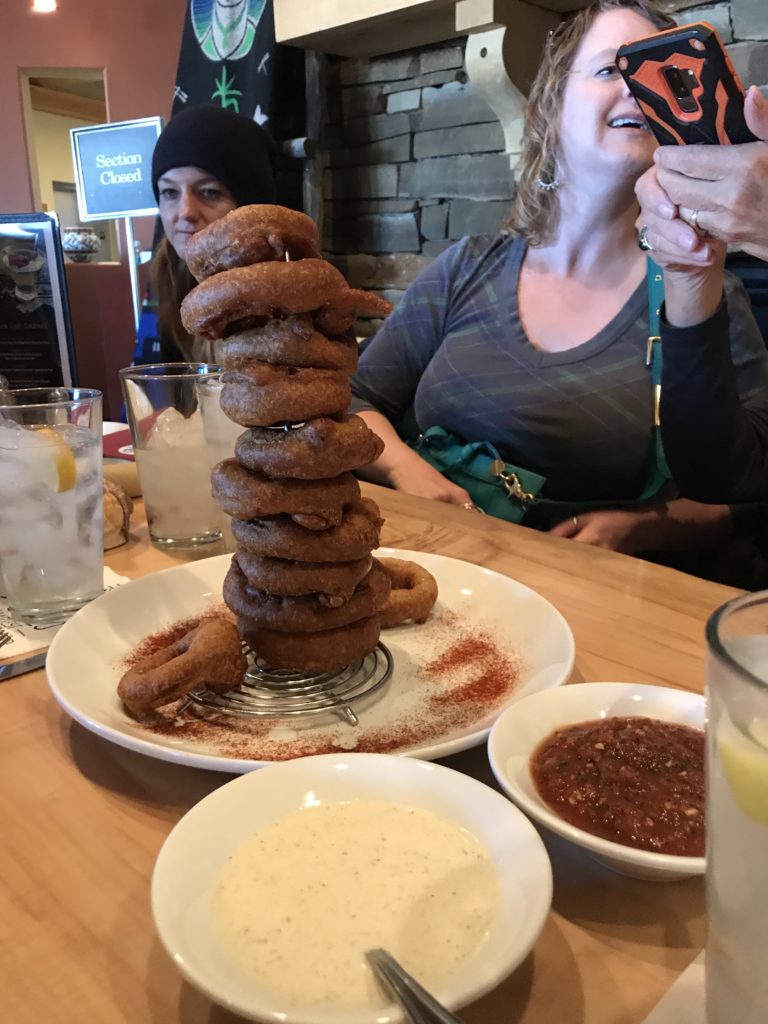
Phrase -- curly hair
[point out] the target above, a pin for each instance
(535, 212)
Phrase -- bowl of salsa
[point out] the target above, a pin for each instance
(616, 768)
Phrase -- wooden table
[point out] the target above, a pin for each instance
(82, 820)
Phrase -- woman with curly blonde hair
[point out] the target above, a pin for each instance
(534, 339)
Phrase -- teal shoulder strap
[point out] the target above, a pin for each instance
(660, 469)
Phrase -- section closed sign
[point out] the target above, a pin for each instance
(113, 164)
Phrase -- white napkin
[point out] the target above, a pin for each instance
(31, 638)
(684, 1002)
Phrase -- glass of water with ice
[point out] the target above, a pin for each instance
(163, 408)
(51, 513)
(221, 433)
(737, 809)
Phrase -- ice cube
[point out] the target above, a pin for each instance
(172, 430)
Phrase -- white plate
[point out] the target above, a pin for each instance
(87, 658)
(520, 729)
(189, 864)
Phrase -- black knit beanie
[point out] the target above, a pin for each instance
(234, 149)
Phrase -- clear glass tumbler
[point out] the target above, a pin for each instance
(737, 809)
(221, 433)
(163, 408)
(52, 511)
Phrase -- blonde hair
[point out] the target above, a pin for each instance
(535, 213)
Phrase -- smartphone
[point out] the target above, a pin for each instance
(686, 86)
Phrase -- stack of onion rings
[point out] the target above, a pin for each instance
(260, 394)
(213, 309)
(333, 582)
(304, 614)
(251, 234)
(303, 585)
(357, 534)
(244, 494)
(316, 450)
(290, 342)
(324, 651)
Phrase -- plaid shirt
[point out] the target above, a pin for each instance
(454, 354)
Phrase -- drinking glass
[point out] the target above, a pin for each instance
(221, 433)
(169, 445)
(51, 513)
(737, 809)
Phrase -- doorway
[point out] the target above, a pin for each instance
(55, 101)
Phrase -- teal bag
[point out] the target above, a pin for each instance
(495, 486)
(508, 491)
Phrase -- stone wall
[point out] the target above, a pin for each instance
(415, 155)
(415, 161)
(741, 24)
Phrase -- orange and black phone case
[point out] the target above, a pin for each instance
(686, 86)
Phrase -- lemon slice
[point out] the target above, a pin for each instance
(745, 761)
(55, 462)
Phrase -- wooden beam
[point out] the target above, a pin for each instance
(314, 166)
(67, 104)
(363, 28)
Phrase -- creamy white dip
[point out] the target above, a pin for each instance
(298, 904)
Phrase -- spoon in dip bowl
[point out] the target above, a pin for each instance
(420, 1006)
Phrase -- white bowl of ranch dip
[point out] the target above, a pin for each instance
(268, 892)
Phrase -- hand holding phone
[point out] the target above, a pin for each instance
(686, 86)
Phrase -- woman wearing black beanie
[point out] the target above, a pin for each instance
(207, 161)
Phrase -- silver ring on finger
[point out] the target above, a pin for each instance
(642, 239)
(470, 506)
(576, 522)
(694, 221)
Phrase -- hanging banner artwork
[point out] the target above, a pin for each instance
(229, 57)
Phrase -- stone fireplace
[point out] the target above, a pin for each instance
(415, 159)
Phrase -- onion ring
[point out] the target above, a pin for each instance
(316, 504)
(208, 655)
(251, 234)
(355, 537)
(336, 581)
(320, 449)
(326, 651)
(265, 289)
(414, 592)
(290, 342)
(306, 614)
(260, 394)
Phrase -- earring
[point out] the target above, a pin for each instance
(547, 186)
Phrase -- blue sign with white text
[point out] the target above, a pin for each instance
(113, 165)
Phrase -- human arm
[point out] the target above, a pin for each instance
(727, 186)
(715, 445)
(391, 367)
(677, 525)
(404, 469)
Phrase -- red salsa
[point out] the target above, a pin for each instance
(635, 781)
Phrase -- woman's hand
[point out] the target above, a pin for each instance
(613, 529)
(399, 466)
(726, 185)
(417, 477)
(693, 263)
(679, 525)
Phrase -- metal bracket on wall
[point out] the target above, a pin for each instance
(505, 39)
(484, 63)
